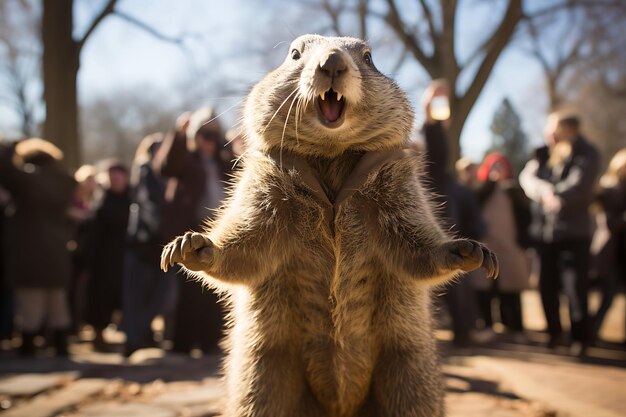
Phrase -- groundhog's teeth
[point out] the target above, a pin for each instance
(322, 95)
(339, 96)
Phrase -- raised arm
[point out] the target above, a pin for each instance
(409, 229)
(173, 159)
(534, 187)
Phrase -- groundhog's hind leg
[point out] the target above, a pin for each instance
(405, 383)
(270, 383)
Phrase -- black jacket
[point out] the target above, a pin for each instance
(144, 223)
(36, 232)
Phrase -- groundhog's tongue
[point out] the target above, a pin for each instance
(331, 108)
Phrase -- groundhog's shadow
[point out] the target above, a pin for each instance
(477, 385)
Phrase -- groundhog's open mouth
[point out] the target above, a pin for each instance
(331, 105)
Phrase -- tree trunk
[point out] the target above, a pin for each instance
(60, 70)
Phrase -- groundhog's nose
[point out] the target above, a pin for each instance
(333, 64)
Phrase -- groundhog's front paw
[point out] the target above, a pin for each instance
(193, 250)
(468, 255)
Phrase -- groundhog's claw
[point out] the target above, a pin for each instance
(490, 263)
(192, 250)
(468, 255)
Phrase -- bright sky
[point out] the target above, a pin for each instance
(120, 56)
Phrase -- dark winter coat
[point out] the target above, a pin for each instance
(37, 227)
(146, 210)
(106, 248)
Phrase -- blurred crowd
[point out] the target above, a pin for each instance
(79, 250)
(558, 216)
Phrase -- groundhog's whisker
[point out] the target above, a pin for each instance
(297, 117)
(239, 158)
(282, 139)
(224, 112)
(238, 128)
(277, 110)
(301, 106)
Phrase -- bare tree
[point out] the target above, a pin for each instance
(603, 107)
(430, 39)
(61, 61)
(430, 34)
(584, 66)
(566, 52)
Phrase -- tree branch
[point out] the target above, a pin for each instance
(400, 61)
(573, 3)
(571, 56)
(334, 14)
(499, 39)
(536, 48)
(394, 20)
(152, 31)
(108, 9)
(431, 23)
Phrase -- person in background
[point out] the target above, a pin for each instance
(506, 212)
(196, 165)
(80, 212)
(560, 181)
(466, 171)
(35, 239)
(84, 195)
(460, 212)
(145, 287)
(609, 240)
(106, 247)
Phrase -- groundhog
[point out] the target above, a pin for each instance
(327, 247)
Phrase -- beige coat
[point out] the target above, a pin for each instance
(502, 239)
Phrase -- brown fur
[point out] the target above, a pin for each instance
(330, 302)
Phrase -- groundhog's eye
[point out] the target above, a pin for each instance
(367, 57)
(295, 55)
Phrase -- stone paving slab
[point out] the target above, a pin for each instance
(207, 393)
(32, 384)
(201, 411)
(112, 409)
(577, 390)
(49, 405)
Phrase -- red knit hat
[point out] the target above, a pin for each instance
(487, 165)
